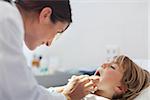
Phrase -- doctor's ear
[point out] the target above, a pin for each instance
(45, 14)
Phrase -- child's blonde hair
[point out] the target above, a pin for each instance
(134, 78)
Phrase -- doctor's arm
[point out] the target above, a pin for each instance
(79, 86)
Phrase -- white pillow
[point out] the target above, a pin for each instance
(145, 94)
(94, 97)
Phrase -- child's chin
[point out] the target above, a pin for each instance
(98, 92)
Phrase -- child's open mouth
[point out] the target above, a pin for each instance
(97, 73)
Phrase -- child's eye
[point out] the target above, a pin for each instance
(112, 67)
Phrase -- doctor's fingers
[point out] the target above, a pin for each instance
(79, 83)
(90, 86)
(77, 78)
(84, 80)
(95, 79)
(80, 76)
(89, 89)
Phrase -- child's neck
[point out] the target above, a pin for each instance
(107, 94)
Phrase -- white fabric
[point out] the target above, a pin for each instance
(94, 97)
(16, 79)
(144, 95)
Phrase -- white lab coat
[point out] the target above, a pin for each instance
(16, 79)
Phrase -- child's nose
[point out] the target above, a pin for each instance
(105, 66)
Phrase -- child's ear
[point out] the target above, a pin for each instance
(120, 89)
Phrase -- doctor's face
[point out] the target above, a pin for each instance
(42, 30)
(44, 34)
(47, 33)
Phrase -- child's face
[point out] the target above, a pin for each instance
(110, 76)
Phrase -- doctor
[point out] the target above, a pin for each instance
(35, 22)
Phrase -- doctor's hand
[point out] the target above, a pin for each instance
(79, 86)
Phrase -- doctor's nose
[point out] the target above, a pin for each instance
(49, 40)
(48, 43)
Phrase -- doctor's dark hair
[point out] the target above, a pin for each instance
(61, 10)
(7, 0)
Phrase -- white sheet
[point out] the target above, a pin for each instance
(145, 95)
(94, 97)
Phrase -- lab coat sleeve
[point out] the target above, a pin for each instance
(16, 79)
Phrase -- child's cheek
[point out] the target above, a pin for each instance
(110, 75)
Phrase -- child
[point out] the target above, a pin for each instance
(121, 79)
